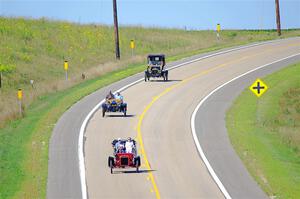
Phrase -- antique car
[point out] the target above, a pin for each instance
(155, 68)
(124, 157)
(114, 105)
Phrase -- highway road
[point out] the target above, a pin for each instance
(159, 118)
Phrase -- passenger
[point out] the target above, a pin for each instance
(129, 145)
(119, 97)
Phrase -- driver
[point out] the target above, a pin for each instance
(120, 148)
(110, 96)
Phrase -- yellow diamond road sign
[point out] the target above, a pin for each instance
(258, 87)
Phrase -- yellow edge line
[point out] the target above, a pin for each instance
(167, 90)
(139, 136)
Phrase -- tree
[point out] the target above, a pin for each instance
(5, 69)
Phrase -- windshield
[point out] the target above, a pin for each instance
(155, 60)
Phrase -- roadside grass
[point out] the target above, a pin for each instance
(38, 48)
(265, 133)
(24, 142)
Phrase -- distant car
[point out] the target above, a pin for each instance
(114, 105)
(122, 158)
(155, 68)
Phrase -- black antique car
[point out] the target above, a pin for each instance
(155, 68)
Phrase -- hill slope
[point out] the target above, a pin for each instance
(37, 49)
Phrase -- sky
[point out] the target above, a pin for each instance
(189, 14)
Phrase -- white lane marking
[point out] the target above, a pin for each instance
(196, 140)
(88, 117)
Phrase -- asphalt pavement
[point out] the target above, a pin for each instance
(176, 167)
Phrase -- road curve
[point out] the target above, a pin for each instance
(165, 109)
(63, 170)
(210, 125)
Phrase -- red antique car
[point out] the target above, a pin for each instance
(125, 155)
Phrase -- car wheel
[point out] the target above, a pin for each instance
(137, 163)
(111, 163)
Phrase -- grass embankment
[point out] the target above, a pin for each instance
(265, 132)
(37, 48)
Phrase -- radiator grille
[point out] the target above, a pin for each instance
(124, 161)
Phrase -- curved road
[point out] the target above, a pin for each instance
(159, 116)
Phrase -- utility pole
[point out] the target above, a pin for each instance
(278, 17)
(116, 29)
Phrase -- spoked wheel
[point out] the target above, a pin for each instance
(125, 110)
(165, 76)
(111, 163)
(137, 163)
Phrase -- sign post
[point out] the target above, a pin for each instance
(66, 67)
(20, 96)
(218, 30)
(132, 46)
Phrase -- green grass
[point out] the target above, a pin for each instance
(24, 142)
(265, 132)
(37, 49)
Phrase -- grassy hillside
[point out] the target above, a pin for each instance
(36, 49)
(266, 133)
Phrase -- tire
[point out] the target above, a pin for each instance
(125, 109)
(103, 112)
(145, 77)
(137, 163)
(166, 76)
(111, 163)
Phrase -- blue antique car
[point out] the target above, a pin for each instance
(114, 105)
